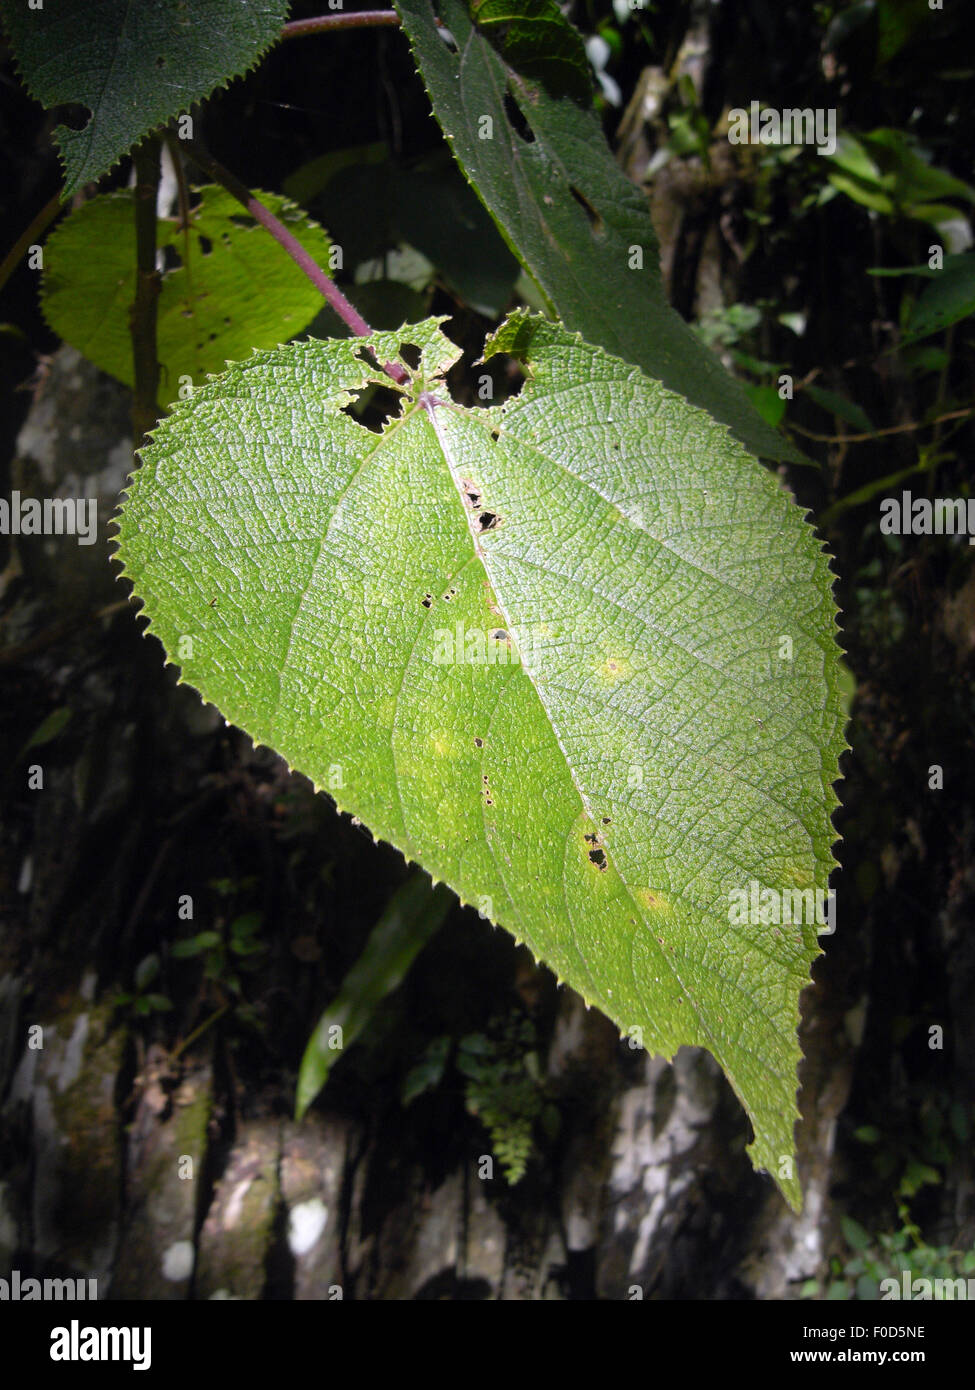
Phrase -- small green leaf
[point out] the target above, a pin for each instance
(49, 728)
(146, 971)
(156, 1003)
(208, 310)
(194, 945)
(856, 1237)
(867, 1134)
(839, 406)
(242, 932)
(134, 63)
(917, 1175)
(428, 1071)
(766, 401)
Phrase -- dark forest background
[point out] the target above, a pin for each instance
(635, 1172)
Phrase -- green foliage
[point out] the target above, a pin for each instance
(141, 999)
(870, 1259)
(576, 223)
(49, 729)
(950, 298)
(726, 326)
(224, 956)
(905, 1164)
(413, 914)
(504, 1090)
(650, 751)
(133, 63)
(886, 172)
(502, 1086)
(840, 407)
(427, 1073)
(231, 291)
(537, 40)
(372, 206)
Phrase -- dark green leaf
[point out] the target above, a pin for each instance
(133, 63)
(542, 168)
(146, 971)
(856, 1237)
(949, 298)
(839, 406)
(194, 945)
(371, 207)
(49, 728)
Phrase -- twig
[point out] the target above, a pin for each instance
(326, 287)
(207, 1022)
(142, 315)
(40, 223)
(358, 19)
(877, 434)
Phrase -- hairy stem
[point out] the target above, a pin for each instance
(333, 295)
(142, 315)
(360, 19)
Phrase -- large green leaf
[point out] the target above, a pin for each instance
(359, 601)
(570, 215)
(209, 308)
(133, 63)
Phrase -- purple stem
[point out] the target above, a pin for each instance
(336, 299)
